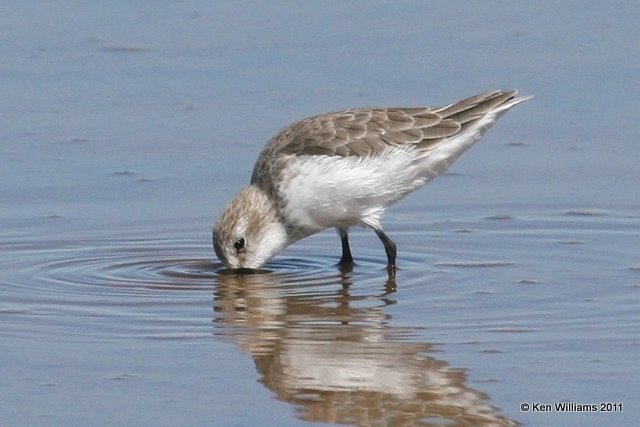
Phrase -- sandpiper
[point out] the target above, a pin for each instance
(344, 169)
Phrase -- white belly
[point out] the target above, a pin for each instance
(330, 191)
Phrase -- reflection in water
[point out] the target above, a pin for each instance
(337, 359)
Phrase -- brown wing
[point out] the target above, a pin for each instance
(366, 131)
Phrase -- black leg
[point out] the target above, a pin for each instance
(389, 247)
(346, 260)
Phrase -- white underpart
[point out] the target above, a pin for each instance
(330, 191)
(335, 191)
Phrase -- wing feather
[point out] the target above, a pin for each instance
(369, 131)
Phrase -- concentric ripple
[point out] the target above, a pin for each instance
(104, 285)
(139, 281)
(124, 266)
(145, 280)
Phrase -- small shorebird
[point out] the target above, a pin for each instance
(343, 169)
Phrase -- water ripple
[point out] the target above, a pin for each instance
(141, 274)
(77, 267)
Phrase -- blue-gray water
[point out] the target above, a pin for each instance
(125, 128)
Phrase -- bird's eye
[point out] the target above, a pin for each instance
(239, 244)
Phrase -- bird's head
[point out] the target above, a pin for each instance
(249, 232)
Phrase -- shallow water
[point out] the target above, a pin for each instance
(126, 129)
(497, 309)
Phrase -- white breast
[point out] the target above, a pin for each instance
(329, 191)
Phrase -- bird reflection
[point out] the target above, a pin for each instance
(336, 358)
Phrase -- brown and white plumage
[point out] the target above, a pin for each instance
(343, 169)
